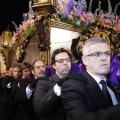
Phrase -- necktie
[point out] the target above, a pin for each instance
(105, 92)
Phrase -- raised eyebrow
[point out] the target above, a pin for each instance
(101, 51)
(40, 66)
(108, 51)
(66, 58)
(97, 52)
(63, 59)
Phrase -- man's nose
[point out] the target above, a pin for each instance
(104, 56)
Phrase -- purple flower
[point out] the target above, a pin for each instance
(24, 17)
(71, 5)
(66, 11)
(31, 13)
(78, 22)
(16, 28)
(87, 22)
(111, 17)
(80, 7)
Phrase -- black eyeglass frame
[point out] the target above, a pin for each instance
(38, 67)
(99, 54)
(62, 60)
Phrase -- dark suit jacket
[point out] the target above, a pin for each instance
(47, 104)
(25, 106)
(8, 106)
(84, 100)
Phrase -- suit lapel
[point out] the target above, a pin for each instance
(95, 91)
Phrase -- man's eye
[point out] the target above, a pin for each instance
(60, 61)
(97, 54)
(108, 53)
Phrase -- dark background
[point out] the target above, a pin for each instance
(12, 10)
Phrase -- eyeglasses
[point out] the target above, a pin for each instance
(99, 54)
(38, 67)
(62, 60)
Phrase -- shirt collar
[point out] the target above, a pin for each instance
(97, 79)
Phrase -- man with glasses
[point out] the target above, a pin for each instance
(92, 97)
(39, 69)
(47, 102)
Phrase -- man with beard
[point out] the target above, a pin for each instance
(47, 102)
(23, 94)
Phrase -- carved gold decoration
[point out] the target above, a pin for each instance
(44, 55)
(44, 9)
(20, 46)
(4, 57)
(100, 30)
(65, 26)
(43, 32)
(44, 1)
(43, 13)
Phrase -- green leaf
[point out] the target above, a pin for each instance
(30, 30)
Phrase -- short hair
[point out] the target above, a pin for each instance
(91, 41)
(57, 51)
(17, 65)
(35, 62)
(25, 65)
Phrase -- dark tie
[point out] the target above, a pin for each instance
(105, 92)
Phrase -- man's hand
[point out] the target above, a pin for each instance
(32, 85)
(72, 75)
(43, 78)
(9, 85)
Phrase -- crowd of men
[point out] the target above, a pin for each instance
(27, 94)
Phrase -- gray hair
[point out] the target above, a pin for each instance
(91, 41)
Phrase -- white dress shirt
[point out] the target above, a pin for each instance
(97, 79)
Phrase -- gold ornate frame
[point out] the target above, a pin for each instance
(104, 31)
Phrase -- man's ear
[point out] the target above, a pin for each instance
(32, 72)
(84, 60)
(54, 66)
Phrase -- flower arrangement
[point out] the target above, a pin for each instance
(26, 28)
(75, 13)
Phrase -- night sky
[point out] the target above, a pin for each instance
(12, 10)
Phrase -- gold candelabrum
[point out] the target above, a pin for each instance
(6, 41)
(43, 11)
(6, 36)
